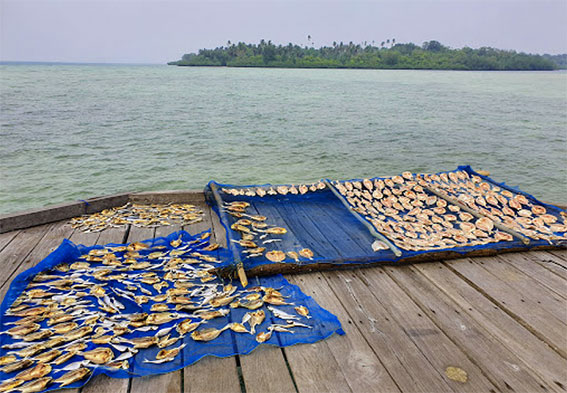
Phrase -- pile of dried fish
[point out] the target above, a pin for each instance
(149, 216)
(500, 205)
(414, 219)
(274, 190)
(256, 235)
(114, 302)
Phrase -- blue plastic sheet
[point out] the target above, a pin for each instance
(316, 220)
(319, 221)
(555, 211)
(323, 324)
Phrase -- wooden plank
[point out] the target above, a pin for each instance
(360, 366)
(103, 383)
(406, 364)
(535, 271)
(562, 254)
(170, 382)
(156, 383)
(550, 261)
(213, 375)
(526, 285)
(530, 313)
(557, 256)
(264, 369)
(431, 340)
(210, 374)
(113, 235)
(165, 197)
(497, 362)
(534, 352)
(52, 239)
(6, 238)
(63, 211)
(219, 233)
(18, 249)
(85, 238)
(203, 225)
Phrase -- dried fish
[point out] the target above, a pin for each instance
(143, 342)
(35, 386)
(303, 311)
(206, 334)
(187, 326)
(39, 371)
(263, 336)
(281, 314)
(306, 253)
(275, 256)
(65, 357)
(17, 365)
(10, 385)
(73, 376)
(4, 360)
(169, 353)
(100, 355)
(47, 356)
(254, 319)
(160, 318)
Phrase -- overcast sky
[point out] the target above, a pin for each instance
(159, 31)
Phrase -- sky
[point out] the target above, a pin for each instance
(144, 31)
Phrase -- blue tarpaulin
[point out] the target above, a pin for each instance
(190, 249)
(318, 220)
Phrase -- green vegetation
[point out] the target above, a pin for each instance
(560, 60)
(431, 55)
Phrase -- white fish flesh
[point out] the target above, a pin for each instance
(283, 315)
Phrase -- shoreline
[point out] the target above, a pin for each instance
(359, 68)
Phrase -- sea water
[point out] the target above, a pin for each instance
(71, 132)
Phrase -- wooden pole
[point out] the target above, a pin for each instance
(368, 226)
(464, 207)
(235, 254)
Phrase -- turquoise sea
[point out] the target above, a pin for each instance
(76, 131)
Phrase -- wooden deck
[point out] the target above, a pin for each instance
(501, 319)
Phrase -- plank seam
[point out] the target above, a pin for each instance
(456, 343)
(409, 336)
(513, 266)
(506, 310)
(289, 370)
(481, 264)
(48, 229)
(432, 282)
(12, 239)
(364, 337)
(241, 381)
(545, 262)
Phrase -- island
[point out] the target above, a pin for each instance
(432, 55)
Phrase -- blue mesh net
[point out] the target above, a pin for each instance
(178, 265)
(319, 221)
(316, 220)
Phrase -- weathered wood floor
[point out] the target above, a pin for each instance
(501, 319)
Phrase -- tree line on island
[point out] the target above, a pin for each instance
(387, 55)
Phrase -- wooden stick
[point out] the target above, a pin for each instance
(368, 226)
(502, 227)
(236, 255)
